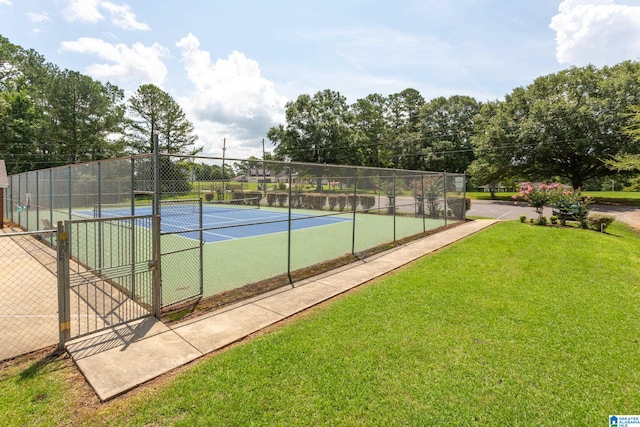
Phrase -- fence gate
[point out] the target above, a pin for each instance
(107, 273)
(181, 250)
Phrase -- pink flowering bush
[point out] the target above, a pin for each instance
(569, 203)
(538, 197)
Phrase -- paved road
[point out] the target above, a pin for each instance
(510, 210)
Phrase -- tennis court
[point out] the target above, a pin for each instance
(286, 217)
(221, 222)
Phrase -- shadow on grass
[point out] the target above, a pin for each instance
(44, 362)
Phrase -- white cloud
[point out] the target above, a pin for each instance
(82, 11)
(38, 17)
(599, 32)
(89, 11)
(231, 99)
(126, 63)
(5, 2)
(123, 17)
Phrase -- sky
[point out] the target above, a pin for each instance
(233, 65)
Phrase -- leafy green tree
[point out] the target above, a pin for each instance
(448, 124)
(83, 114)
(370, 130)
(563, 125)
(50, 117)
(405, 137)
(153, 111)
(317, 130)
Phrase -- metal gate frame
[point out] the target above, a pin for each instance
(118, 284)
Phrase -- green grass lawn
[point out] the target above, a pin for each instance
(518, 325)
(626, 198)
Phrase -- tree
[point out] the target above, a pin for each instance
(83, 114)
(317, 130)
(447, 126)
(153, 111)
(563, 125)
(405, 137)
(50, 117)
(370, 130)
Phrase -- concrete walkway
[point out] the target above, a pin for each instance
(119, 359)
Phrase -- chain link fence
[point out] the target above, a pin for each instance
(234, 227)
(28, 292)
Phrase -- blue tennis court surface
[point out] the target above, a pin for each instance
(222, 223)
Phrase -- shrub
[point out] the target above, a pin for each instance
(282, 186)
(367, 202)
(458, 206)
(353, 202)
(282, 199)
(208, 197)
(553, 219)
(542, 220)
(271, 199)
(333, 201)
(318, 201)
(599, 222)
(523, 218)
(342, 202)
(531, 220)
(253, 197)
(237, 197)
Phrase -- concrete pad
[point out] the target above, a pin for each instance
(209, 333)
(126, 356)
(298, 299)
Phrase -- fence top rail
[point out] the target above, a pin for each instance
(25, 233)
(117, 218)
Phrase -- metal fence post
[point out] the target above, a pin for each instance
(464, 195)
(395, 205)
(64, 309)
(444, 185)
(201, 238)
(289, 231)
(156, 266)
(355, 203)
(424, 221)
(156, 176)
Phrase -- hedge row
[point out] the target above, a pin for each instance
(240, 197)
(319, 201)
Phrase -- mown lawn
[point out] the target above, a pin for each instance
(624, 198)
(519, 325)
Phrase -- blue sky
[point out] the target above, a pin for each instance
(233, 65)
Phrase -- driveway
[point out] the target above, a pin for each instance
(513, 210)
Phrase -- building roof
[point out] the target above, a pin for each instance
(4, 181)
